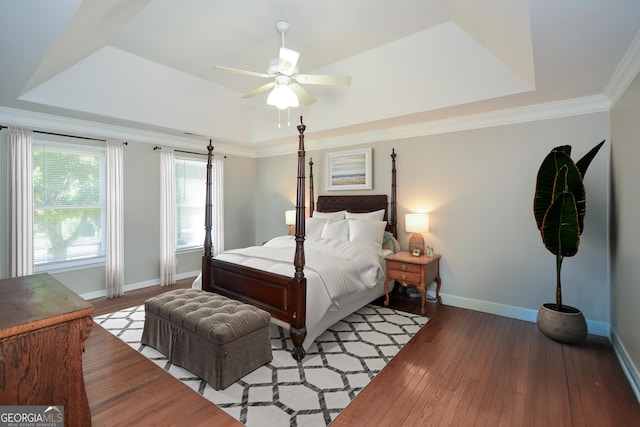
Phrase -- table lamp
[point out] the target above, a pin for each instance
(416, 223)
(290, 220)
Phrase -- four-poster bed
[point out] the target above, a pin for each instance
(299, 301)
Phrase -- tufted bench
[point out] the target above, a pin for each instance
(217, 338)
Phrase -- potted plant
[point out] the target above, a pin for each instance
(559, 207)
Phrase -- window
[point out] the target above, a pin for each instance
(190, 202)
(69, 204)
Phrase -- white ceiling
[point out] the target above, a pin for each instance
(147, 64)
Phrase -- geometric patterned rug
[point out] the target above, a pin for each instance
(285, 392)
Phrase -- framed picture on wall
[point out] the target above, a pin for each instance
(349, 170)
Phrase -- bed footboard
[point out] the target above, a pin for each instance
(283, 297)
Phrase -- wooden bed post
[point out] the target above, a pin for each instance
(394, 210)
(208, 252)
(312, 205)
(298, 328)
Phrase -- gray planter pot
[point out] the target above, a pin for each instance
(566, 326)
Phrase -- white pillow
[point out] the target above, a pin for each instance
(314, 226)
(369, 216)
(338, 230)
(367, 233)
(330, 216)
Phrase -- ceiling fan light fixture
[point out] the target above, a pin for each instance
(286, 90)
(283, 97)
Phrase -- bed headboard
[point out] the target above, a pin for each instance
(356, 203)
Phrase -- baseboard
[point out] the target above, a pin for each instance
(520, 313)
(630, 370)
(139, 285)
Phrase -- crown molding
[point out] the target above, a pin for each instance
(625, 73)
(66, 125)
(529, 113)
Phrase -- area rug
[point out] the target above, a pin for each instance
(285, 392)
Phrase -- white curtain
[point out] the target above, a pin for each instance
(20, 190)
(217, 198)
(167, 218)
(114, 259)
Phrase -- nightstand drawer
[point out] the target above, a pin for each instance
(404, 267)
(404, 276)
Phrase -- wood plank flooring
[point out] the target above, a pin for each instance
(471, 368)
(464, 368)
(126, 389)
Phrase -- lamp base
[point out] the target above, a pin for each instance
(416, 242)
(292, 230)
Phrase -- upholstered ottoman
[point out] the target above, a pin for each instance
(217, 338)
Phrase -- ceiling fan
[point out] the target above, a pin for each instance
(286, 91)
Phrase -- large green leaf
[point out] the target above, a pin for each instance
(545, 181)
(560, 230)
(582, 165)
(585, 161)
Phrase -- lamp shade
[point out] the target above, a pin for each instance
(283, 97)
(290, 217)
(416, 223)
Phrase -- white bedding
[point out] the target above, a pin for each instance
(342, 276)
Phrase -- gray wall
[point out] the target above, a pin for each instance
(142, 220)
(625, 233)
(478, 187)
(239, 201)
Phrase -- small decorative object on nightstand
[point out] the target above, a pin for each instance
(420, 271)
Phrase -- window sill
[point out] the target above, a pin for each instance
(190, 249)
(70, 266)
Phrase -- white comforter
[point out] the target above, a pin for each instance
(343, 267)
(341, 276)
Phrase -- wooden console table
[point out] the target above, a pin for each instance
(43, 327)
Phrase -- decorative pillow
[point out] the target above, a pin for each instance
(338, 230)
(368, 233)
(390, 242)
(369, 216)
(330, 216)
(314, 226)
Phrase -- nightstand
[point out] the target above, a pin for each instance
(407, 269)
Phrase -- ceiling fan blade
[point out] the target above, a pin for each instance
(259, 90)
(287, 61)
(237, 71)
(304, 97)
(315, 79)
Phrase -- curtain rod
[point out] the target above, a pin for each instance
(184, 151)
(181, 151)
(68, 136)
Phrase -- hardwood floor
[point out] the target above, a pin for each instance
(125, 389)
(463, 368)
(134, 298)
(471, 368)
